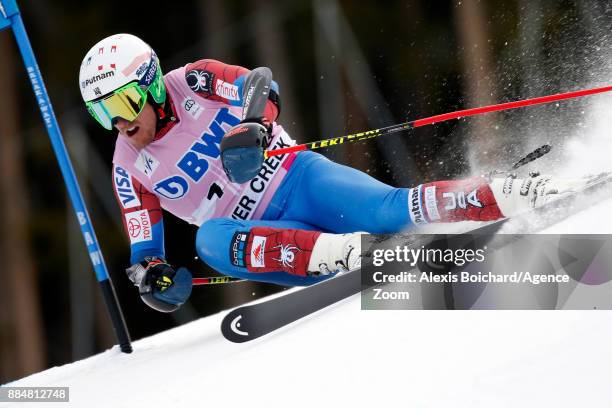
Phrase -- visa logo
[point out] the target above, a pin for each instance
(124, 188)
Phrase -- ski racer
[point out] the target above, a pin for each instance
(292, 219)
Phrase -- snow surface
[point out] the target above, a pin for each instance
(343, 355)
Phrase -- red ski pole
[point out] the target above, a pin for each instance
(435, 119)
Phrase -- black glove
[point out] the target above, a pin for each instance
(159, 285)
(242, 150)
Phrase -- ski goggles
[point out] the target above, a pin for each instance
(126, 102)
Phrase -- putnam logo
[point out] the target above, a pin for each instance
(414, 206)
(257, 252)
(97, 78)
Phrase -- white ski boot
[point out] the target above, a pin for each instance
(335, 253)
(515, 196)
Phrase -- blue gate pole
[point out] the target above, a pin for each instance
(11, 18)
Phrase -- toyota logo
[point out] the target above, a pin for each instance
(134, 227)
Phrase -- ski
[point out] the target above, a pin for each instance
(249, 322)
(252, 321)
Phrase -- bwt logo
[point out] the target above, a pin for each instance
(194, 163)
(97, 78)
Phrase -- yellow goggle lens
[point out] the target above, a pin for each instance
(125, 103)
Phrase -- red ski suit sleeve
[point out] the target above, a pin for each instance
(141, 215)
(222, 82)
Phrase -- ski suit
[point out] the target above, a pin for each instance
(181, 172)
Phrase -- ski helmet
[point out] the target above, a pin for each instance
(116, 76)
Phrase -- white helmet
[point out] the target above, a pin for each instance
(110, 66)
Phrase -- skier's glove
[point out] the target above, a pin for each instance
(242, 150)
(159, 285)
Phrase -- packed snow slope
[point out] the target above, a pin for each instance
(343, 355)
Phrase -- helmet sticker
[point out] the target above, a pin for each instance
(135, 64)
(149, 76)
(141, 69)
(96, 78)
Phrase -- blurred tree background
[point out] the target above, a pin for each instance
(343, 66)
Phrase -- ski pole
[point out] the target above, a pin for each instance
(536, 154)
(215, 280)
(355, 137)
(11, 17)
